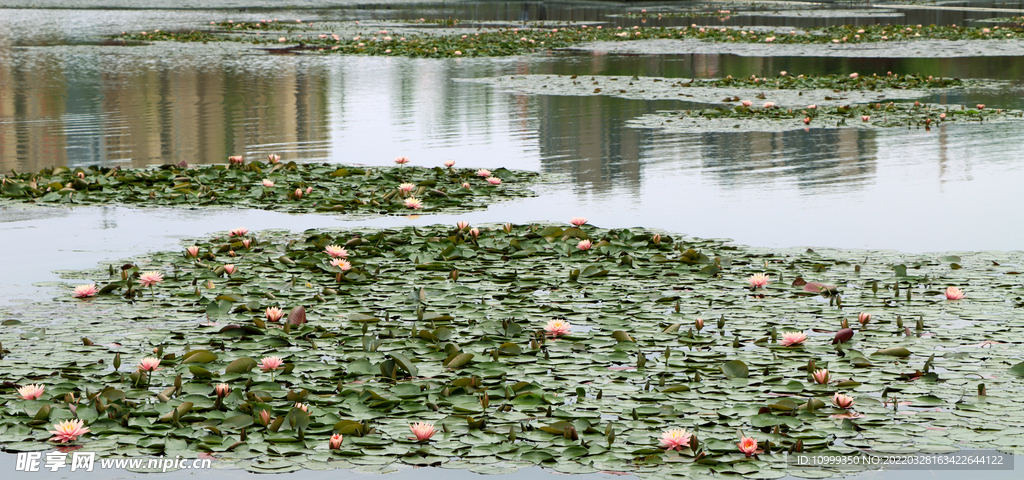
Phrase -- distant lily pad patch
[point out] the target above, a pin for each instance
(288, 187)
(569, 346)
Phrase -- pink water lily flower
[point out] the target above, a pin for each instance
(864, 318)
(302, 406)
(222, 390)
(854, 75)
(557, 327)
(341, 263)
(954, 293)
(238, 232)
(790, 339)
(747, 446)
(865, 118)
(483, 172)
(413, 203)
(149, 364)
(449, 163)
(578, 221)
(68, 431)
(406, 187)
(401, 160)
(769, 104)
(336, 251)
(230, 268)
(264, 417)
(584, 245)
(422, 430)
(335, 442)
(494, 180)
(465, 185)
(192, 251)
(149, 279)
(267, 182)
(676, 439)
(236, 160)
(31, 392)
(297, 193)
(269, 364)
(842, 401)
(747, 103)
(273, 158)
(462, 225)
(274, 314)
(85, 291)
(759, 280)
(820, 376)
(474, 232)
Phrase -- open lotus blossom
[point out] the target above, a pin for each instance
(812, 107)
(336, 251)
(31, 392)
(302, 406)
(942, 116)
(842, 401)
(676, 439)
(401, 160)
(274, 314)
(269, 364)
(341, 263)
(820, 376)
(422, 430)
(222, 390)
(335, 442)
(747, 103)
(584, 245)
(85, 291)
(954, 293)
(149, 364)
(462, 225)
(149, 279)
(267, 182)
(192, 251)
(236, 159)
(557, 327)
(264, 417)
(238, 232)
(449, 163)
(406, 187)
(578, 221)
(483, 172)
(68, 431)
(273, 158)
(759, 280)
(230, 268)
(747, 446)
(864, 318)
(413, 203)
(494, 180)
(769, 104)
(790, 339)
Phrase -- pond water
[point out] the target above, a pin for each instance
(68, 99)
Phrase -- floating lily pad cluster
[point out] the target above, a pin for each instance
(446, 325)
(288, 187)
(324, 38)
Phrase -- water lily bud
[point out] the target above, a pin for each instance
(656, 239)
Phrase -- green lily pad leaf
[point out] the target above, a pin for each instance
(199, 356)
(241, 365)
(735, 369)
(405, 363)
(771, 420)
(893, 352)
(1018, 369)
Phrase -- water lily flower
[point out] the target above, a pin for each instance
(790, 339)
(297, 194)
(449, 163)
(865, 118)
(274, 314)
(759, 280)
(494, 180)
(474, 232)
(85, 291)
(149, 364)
(557, 327)
(238, 232)
(422, 430)
(335, 442)
(812, 107)
(31, 392)
(269, 364)
(68, 430)
(842, 401)
(954, 293)
(246, 243)
(192, 251)
(864, 318)
(222, 390)
(699, 324)
(267, 182)
(820, 376)
(462, 224)
(584, 245)
(507, 227)
(149, 279)
(413, 203)
(942, 116)
(309, 190)
(236, 160)
(578, 221)
(854, 75)
(302, 406)
(264, 417)
(747, 446)
(769, 104)
(341, 263)
(465, 185)
(406, 187)
(483, 172)
(273, 158)
(656, 238)
(336, 251)
(747, 103)
(676, 439)
(230, 269)
(401, 160)
(807, 120)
